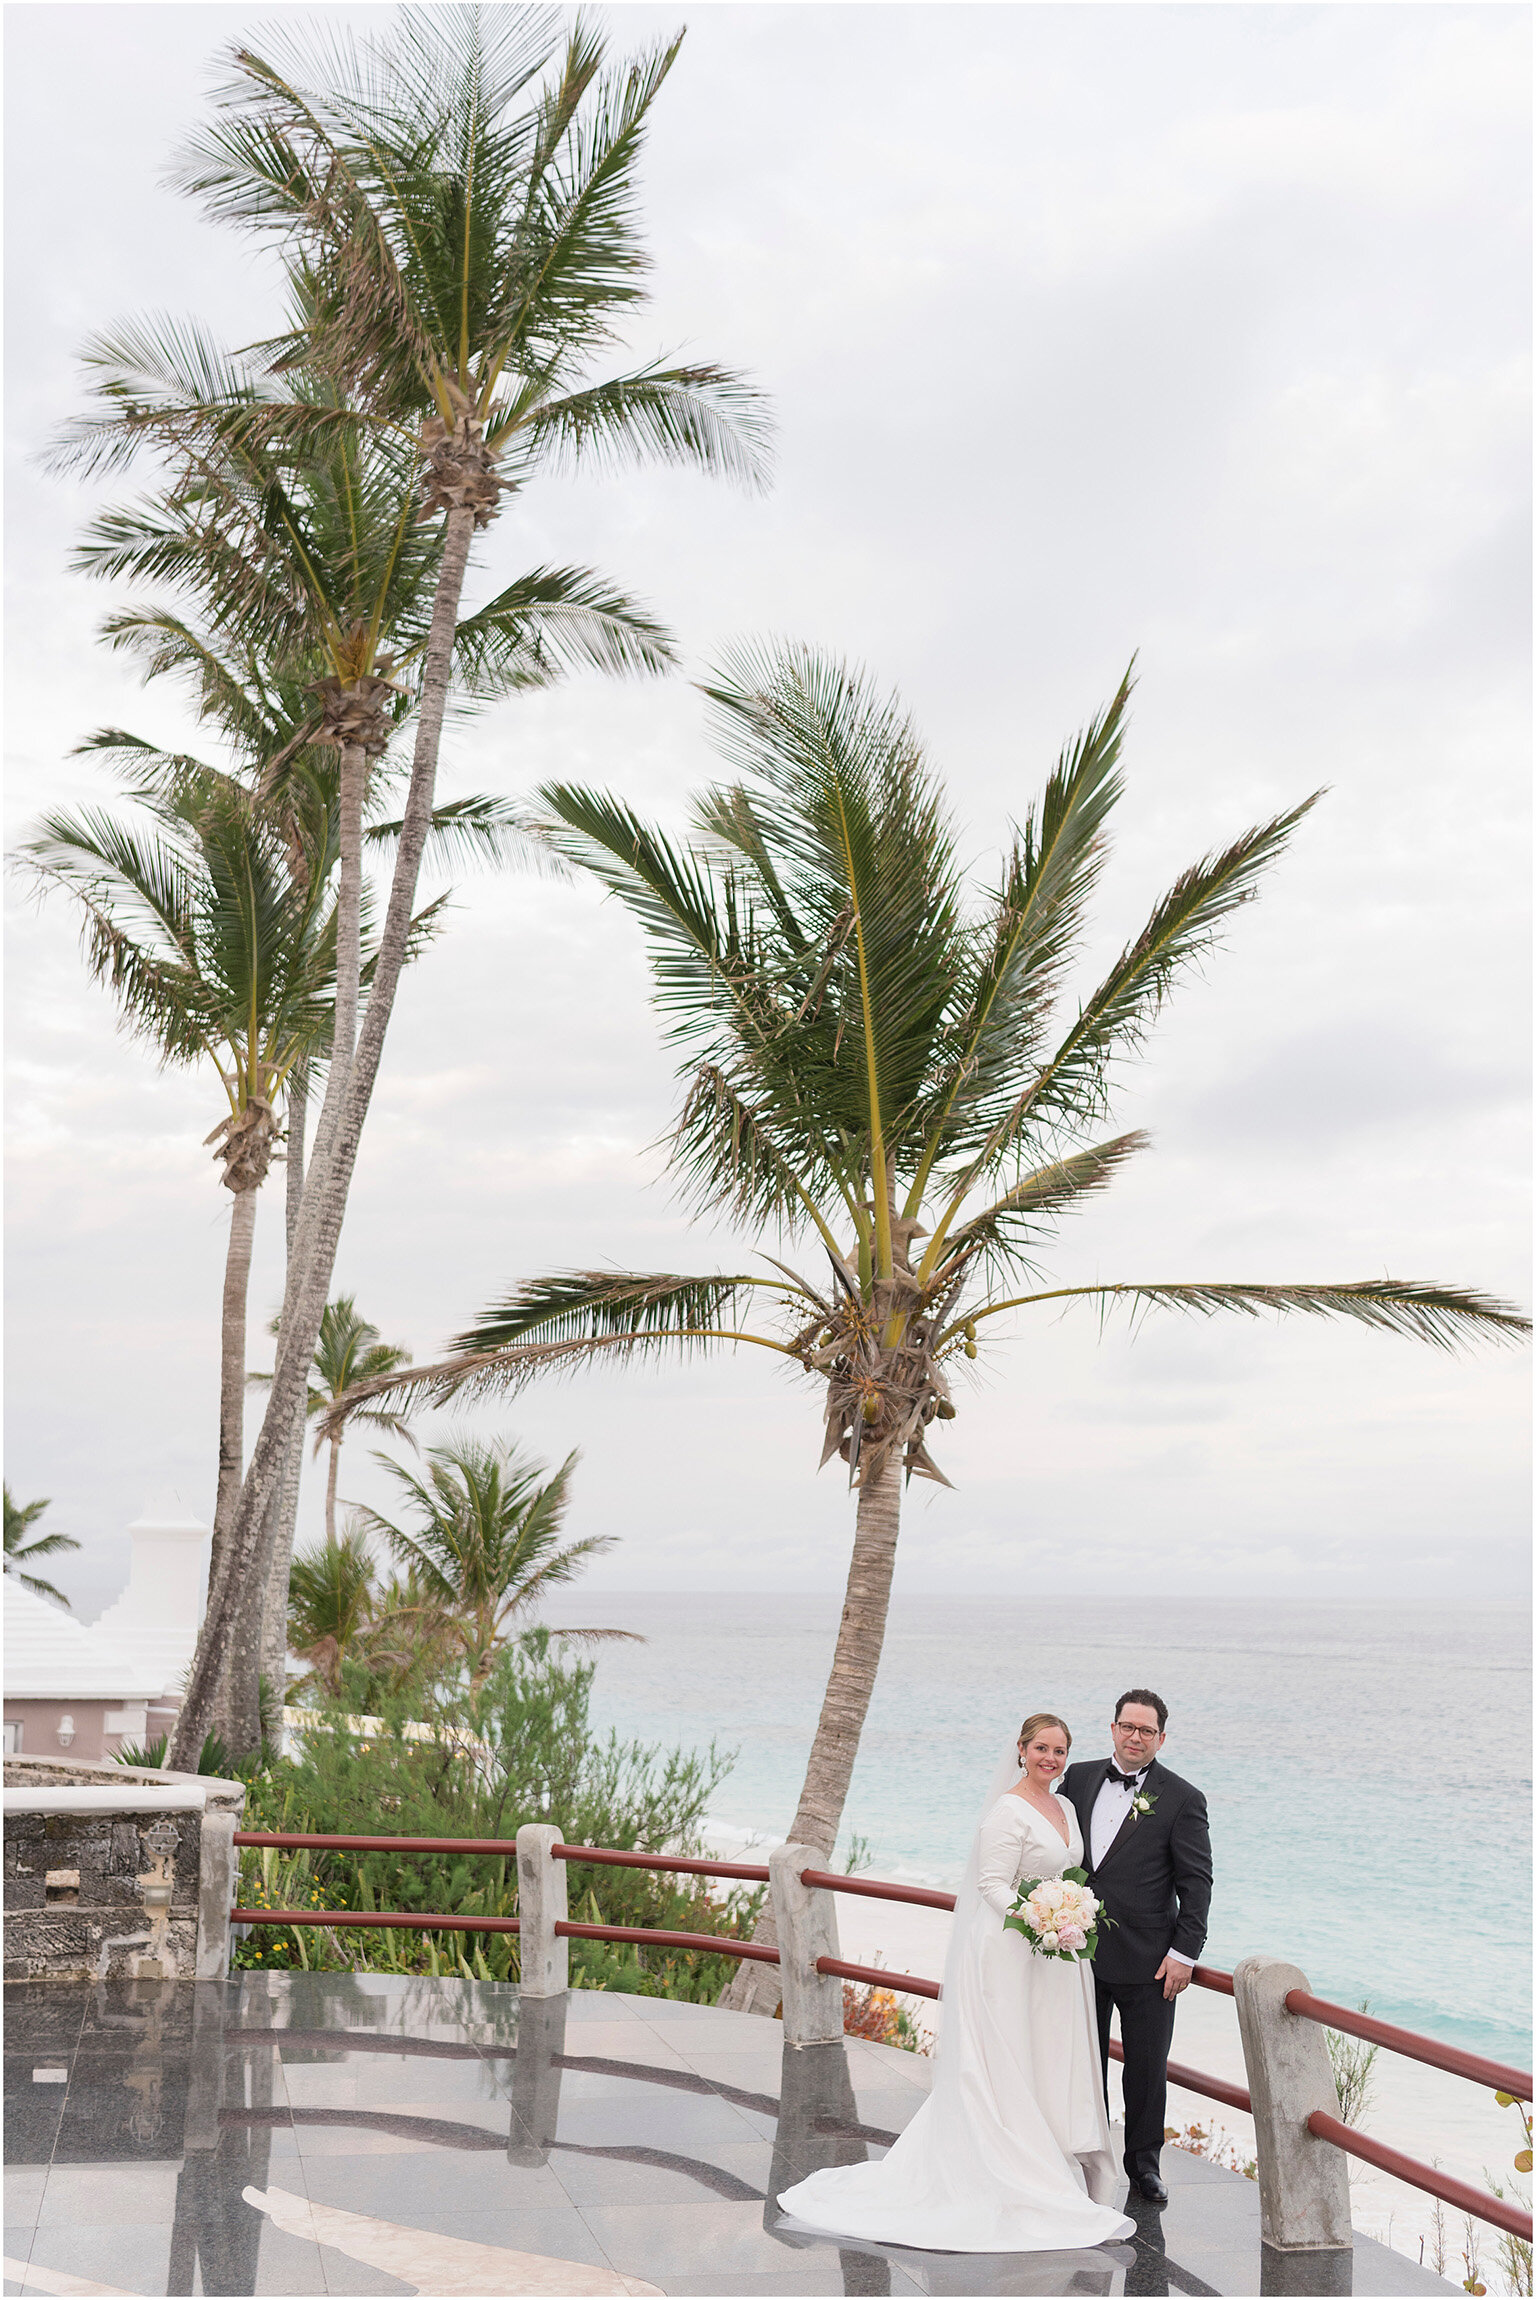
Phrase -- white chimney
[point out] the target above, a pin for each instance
(159, 1613)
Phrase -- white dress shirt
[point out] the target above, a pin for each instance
(1110, 1808)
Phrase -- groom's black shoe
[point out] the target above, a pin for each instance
(1142, 2173)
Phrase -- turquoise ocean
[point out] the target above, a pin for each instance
(1367, 1768)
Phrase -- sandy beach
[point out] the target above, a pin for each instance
(1420, 2110)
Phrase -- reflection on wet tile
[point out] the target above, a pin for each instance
(663, 2241)
(33, 2111)
(602, 2004)
(634, 2043)
(787, 2282)
(736, 2172)
(24, 2184)
(887, 2069)
(688, 2119)
(128, 2259)
(199, 2127)
(754, 2072)
(407, 2188)
(402, 2130)
(319, 2087)
(556, 2232)
(130, 2195)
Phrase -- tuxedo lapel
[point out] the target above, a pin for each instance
(1096, 1781)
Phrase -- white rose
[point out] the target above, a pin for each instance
(1049, 1940)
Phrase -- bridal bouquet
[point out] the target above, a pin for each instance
(1058, 1916)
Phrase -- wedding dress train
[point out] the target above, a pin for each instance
(1011, 2150)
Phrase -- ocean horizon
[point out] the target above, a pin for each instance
(1366, 1767)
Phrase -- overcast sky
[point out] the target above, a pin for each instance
(1198, 331)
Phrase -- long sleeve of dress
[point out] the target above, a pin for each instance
(1002, 1838)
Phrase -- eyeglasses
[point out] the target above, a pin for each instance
(1139, 1732)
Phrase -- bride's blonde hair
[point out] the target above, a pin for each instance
(1032, 1725)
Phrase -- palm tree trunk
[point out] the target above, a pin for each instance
(845, 1705)
(349, 903)
(285, 1495)
(329, 1178)
(237, 1287)
(330, 1490)
(349, 898)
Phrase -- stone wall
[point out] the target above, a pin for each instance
(74, 1900)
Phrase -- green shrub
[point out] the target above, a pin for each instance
(521, 1749)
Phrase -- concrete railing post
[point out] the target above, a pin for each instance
(217, 1869)
(1303, 2181)
(806, 1918)
(541, 1905)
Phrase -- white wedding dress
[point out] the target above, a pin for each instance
(1011, 2150)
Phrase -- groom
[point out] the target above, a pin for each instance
(1148, 1856)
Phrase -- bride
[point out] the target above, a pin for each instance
(1011, 2150)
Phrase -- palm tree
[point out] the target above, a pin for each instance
(486, 1543)
(309, 552)
(215, 949)
(286, 574)
(20, 1553)
(349, 1351)
(873, 1056)
(339, 1614)
(461, 222)
(330, 1602)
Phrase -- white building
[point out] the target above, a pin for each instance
(69, 1691)
(84, 1691)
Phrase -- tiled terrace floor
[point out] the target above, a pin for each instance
(340, 2133)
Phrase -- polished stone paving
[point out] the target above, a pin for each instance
(352, 2133)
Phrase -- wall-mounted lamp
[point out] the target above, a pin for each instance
(64, 1732)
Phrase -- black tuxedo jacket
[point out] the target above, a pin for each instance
(1154, 1879)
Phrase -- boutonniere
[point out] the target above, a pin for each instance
(1142, 1804)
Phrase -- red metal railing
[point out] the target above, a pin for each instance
(1445, 2185)
(297, 1840)
(1492, 2073)
(1478, 2070)
(387, 1920)
(874, 1890)
(753, 1871)
(906, 1984)
(1196, 2080)
(710, 1944)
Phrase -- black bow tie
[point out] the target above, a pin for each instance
(1121, 1780)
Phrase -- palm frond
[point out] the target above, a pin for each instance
(556, 1325)
(708, 417)
(725, 1149)
(676, 897)
(1071, 1087)
(1445, 1316)
(656, 1310)
(481, 829)
(999, 1233)
(853, 817)
(552, 621)
(1020, 961)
